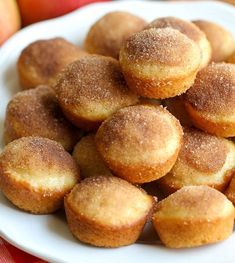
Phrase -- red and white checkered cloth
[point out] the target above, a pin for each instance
(10, 254)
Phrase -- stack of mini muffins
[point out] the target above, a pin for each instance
(142, 106)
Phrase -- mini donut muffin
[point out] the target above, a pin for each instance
(194, 216)
(160, 63)
(36, 112)
(91, 89)
(106, 211)
(190, 30)
(106, 36)
(140, 143)
(231, 59)
(204, 159)
(210, 102)
(41, 61)
(221, 40)
(176, 107)
(36, 173)
(88, 158)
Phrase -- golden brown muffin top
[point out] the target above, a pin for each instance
(165, 46)
(139, 134)
(194, 203)
(106, 36)
(94, 80)
(213, 91)
(204, 152)
(48, 57)
(185, 27)
(109, 201)
(36, 112)
(40, 162)
(221, 40)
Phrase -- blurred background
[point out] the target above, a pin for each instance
(15, 14)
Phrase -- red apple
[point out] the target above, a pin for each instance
(9, 19)
(37, 10)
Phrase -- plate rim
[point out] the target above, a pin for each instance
(11, 41)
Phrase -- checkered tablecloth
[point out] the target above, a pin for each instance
(10, 254)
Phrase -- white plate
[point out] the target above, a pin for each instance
(48, 236)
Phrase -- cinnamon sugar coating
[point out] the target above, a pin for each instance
(204, 152)
(106, 211)
(139, 143)
(36, 112)
(213, 90)
(204, 159)
(159, 63)
(107, 35)
(36, 173)
(188, 29)
(194, 216)
(183, 26)
(221, 40)
(41, 61)
(91, 89)
(210, 102)
(165, 46)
